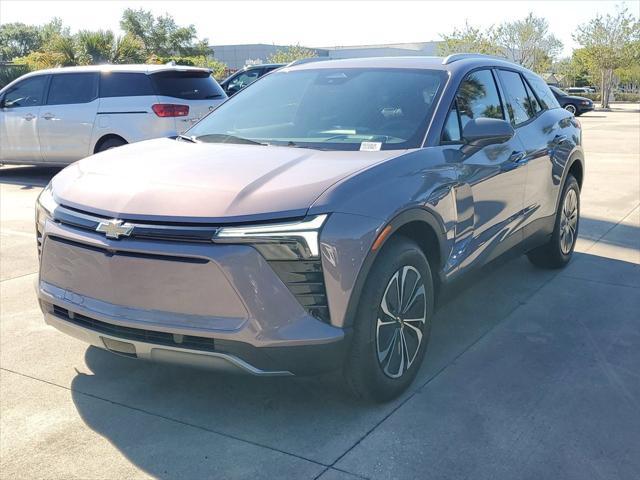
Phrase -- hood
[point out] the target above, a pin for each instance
(577, 98)
(169, 180)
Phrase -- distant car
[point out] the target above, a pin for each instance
(61, 115)
(246, 76)
(578, 90)
(572, 103)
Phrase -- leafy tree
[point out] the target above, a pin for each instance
(290, 54)
(161, 35)
(18, 39)
(528, 42)
(608, 43)
(469, 40)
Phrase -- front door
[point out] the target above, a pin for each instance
(495, 175)
(19, 120)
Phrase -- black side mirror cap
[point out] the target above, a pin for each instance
(482, 132)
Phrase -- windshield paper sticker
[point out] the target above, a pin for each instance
(370, 146)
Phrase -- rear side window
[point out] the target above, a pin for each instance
(70, 88)
(27, 93)
(518, 103)
(478, 97)
(122, 84)
(545, 96)
(189, 85)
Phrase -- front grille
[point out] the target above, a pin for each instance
(137, 334)
(305, 280)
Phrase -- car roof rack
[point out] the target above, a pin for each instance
(302, 61)
(463, 56)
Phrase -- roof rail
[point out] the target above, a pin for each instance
(462, 56)
(307, 60)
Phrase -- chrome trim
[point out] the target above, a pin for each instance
(304, 231)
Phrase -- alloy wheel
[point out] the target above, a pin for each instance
(402, 316)
(570, 108)
(568, 221)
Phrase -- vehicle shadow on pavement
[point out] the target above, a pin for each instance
(311, 417)
(27, 176)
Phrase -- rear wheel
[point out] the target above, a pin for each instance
(393, 323)
(558, 251)
(110, 143)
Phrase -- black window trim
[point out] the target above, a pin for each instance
(50, 81)
(505, 114)
(523, 79)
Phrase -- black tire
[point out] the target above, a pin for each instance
(555, 253)
(110, 143)
(366, 375)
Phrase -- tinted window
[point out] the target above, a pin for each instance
(192, 85)
(546, 98)
(451, 131)
(329, 108)
(69, 88)
(478, 97)
(517, 99)
(120, 84)
(244, 79)
(27, 93)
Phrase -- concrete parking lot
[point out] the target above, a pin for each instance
(530, 373)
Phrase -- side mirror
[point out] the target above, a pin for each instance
(482, 132)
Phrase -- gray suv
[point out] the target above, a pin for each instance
(306, 224)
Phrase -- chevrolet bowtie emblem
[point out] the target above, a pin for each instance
(115, 228)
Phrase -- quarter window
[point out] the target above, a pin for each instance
(478, 97)
(70, 88)
(27, 93)
(121, 84)
(518, 103)
(451, 131)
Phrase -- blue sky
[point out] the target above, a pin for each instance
(317, 24)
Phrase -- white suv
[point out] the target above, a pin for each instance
(61, 115)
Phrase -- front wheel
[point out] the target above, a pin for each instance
(393, 323)
(570, 108)
(558, 251)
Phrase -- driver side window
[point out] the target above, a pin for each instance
(27, 93)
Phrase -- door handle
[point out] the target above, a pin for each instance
(559, 139)
(518, 157)
(29, 116)
(48, 116)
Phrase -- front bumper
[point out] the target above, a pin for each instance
(215, 306)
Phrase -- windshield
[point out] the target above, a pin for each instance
(558, 91)
(337, 109)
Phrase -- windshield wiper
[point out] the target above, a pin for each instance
(222, 138)
(216, 95)
(186, 138)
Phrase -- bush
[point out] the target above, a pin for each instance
(617, 97)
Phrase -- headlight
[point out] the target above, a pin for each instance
(586, 102)
(45, 205)
(278, 241)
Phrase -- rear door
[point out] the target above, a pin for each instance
(537, 131)
(66, 121)
(195, 88)
(19, 120)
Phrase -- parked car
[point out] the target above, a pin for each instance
(61, 115)
(308, 223)
(246, 76)
(572, 103)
